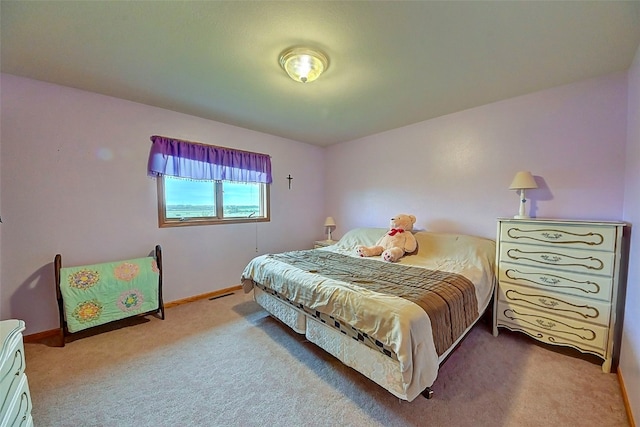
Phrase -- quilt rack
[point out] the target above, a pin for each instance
(97, 294)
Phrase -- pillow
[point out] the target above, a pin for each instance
(357, 236)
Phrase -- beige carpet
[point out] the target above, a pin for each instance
(226, 363)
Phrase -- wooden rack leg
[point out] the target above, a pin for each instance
(158, 253)
(57, 264)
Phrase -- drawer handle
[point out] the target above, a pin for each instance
(554, 236)
(23, 409)
(546, 323)
(586, 308)
(586, 311)
(548, 303)
(549, 280)
(555, 281)
(556, 259)
(16, 367)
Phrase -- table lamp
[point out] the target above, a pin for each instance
(329, 224)
(522, 181)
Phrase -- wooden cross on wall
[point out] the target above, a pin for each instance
(289, 178)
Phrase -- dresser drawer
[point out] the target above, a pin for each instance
(581, 334)
(566, 236)
(581, 285)
(11, 370)
(556, 304)
(590, 262)
(15, 402)
(18, 407)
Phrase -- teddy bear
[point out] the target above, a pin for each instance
(396, 242)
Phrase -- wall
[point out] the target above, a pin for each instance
(1, 211)
(74, 182)
(630, 350)
(453, 172)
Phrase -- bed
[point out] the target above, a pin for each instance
(393, 322)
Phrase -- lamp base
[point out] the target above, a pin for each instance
(521, 217)
(522, 213)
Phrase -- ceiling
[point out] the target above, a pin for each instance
(391, 63)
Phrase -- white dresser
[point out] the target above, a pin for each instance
(15, 401)
(559, 282)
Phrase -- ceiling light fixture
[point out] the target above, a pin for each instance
(303, 64)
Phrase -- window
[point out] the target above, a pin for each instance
(202, 184)
(194, 202)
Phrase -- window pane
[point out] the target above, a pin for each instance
(189, 199)
(241, 199)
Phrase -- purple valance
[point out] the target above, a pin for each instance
(173, 157)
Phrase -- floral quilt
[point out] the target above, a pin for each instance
(100, 293)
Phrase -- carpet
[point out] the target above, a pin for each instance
(225, 362)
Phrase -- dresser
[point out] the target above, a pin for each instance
(562, 282)
(14, 389)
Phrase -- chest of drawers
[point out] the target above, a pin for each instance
(562, 282)
(15, 401)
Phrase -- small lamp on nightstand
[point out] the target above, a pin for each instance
(329, 224)
(522, 181)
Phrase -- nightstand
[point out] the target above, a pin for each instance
(323, 243)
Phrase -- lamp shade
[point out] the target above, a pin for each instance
(303, 64)
(329, 222)
(523, 180)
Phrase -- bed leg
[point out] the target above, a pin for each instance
(427, 392)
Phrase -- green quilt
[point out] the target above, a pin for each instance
(100, 293)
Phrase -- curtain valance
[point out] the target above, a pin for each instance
(185, 159)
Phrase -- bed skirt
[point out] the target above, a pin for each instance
(382, 369)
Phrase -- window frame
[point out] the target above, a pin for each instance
(164, 222)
